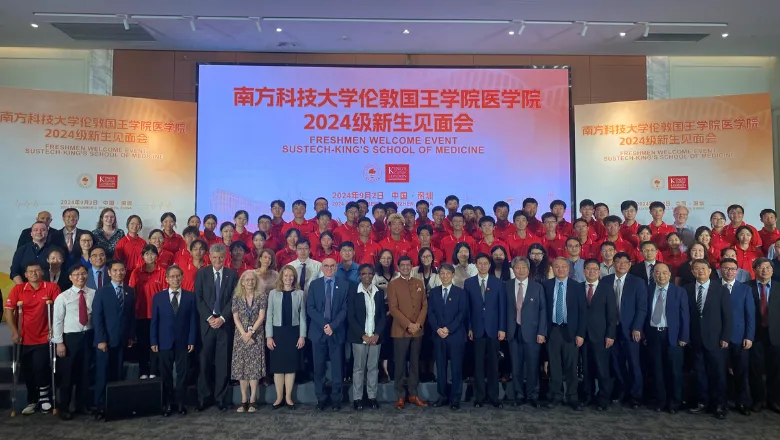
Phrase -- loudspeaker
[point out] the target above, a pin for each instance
(134, 399)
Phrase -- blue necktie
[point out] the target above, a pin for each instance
(120, 297)
(217, 293)
(445, 295)
(559, 305)
(328, 294)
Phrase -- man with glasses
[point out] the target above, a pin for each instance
(552, 240)
(765, 352)
(576, 264)
(34, 251)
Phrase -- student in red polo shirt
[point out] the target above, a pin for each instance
(503, 226)
(452, 203)
(747, 253)
(718, 222)
(587, 211)
(410, 231)
(557, 207)
(395, 241)
(173, 242)
(630, 228)
(673, 255)
(128, 248)
(277, 222)
(769, 233)
(362, 207)
(589, 248)
(240, 220)
(553, 241)
(489, 240)
(602, 211)
(147, 280)
(703, 236)
(471, 222)
(34, 334)
(366, 249)
(439, 231)
(658, 228)
(271, 242)
(190, 234)
(422, 207)
(209, 225)
(736, 215)
(424, 234)
(379, 228)
(164, 257)
(299, 221)
(325, 249)
(645, 234)
(458, 235)
(238, 251)
(390, 209)
(290, 252)
(258, 244)
(323, 224)
(321, 204)
(521, 238)
(531, 207)
(612, 228)
(348, 231)
(198, 258)
(194, 220)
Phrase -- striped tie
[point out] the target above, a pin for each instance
(700, 300)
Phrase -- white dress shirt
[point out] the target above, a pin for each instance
(66, 312)
(706, 286)
(170, 294)
(647, 269)
(313, 271)
(728, 284)
(587, 286)
(368, 296)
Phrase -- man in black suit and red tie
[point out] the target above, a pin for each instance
(173, 334)
(601, 324)
(765, 353)
(214, 286)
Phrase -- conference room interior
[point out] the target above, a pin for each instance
(220, 142)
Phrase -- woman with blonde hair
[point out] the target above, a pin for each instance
(248, 366)
(285, 331)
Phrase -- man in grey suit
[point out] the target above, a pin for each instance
(526, 330)
(97, 276)
(326, 307)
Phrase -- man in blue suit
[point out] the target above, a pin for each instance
(326, 307)
(98, 275)
(568, 309)
(631, 297)
(526, 331)
(487, 326)
(173, 334)
(113, 318)
(667, 332)
(448, 305)
(743, 331)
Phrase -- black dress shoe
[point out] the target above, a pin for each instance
(201, 407)
(357, 405)
(698, 409)
(455, 406)
(183, 410)
(440, 403)
(576, 406)
(720, 413)
(549, 404)
(673, 410)
(66, 415)
(223, 408)
(497, 404)
(635, 404)
(518, 402)
(774, 407)
(167, 411)
(321, 405)
(534, 403)
(478, 404)
(291, 406)
(100, 414)
(757, 407)
(336, 407)
(601, 408)
(658, 409)
(373, 404)
(743, 409)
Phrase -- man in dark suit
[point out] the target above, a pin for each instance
(326, 307)
(67, 237)
(26, 235)
(526, 325)
(113, 318)
(566, 301)
(600, 336)
(57, 273)
(667, 332)
(487, 326)
(97, 275)
(173, 334)
(214, 286)
(367, 316)
(447, 308)
(644, 270)
(34, 251)
(765, 353)
(631, 300)
(743, 332)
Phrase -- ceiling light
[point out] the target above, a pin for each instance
(278, 29)
(511, 32)
(622, 34)
(724, 35)
(33, 25)
(406, 31)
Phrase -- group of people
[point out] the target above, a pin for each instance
(609, 310)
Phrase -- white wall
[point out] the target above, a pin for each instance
(46, 69)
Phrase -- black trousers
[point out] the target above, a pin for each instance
(485, 356)
(525, 367)
(738, 359)
(322, 350)
(667, 362)
(764, 360)
(402, 347)
(73, 369)
(215, 366)
(595, 365)
(174, 391)
(563, 357)
(627, 368)
(37, 372)
(147, 360)
(451, 350)
(710, 367)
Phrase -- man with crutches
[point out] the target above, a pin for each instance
(27, 306)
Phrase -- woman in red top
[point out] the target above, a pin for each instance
(198, 252)
(147, 279)
(258, 244)
(194, 220)
(325, 249)
(673, 256)
(164, 257)
(703, 235)
(238, 251)
(209, 224)
(644, 233)
(746, 252)
(289, 253)
(130, 247)
(241, 233)
(719, 238)
(173, 241)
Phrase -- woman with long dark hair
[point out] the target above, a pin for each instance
(464, 264)
(385, 271)
(499, 263)
(541, 270)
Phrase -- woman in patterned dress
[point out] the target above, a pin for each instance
(266, 271)
(248, 366)
(107, 234)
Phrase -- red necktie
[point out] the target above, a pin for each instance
(764, 307)
(100, 279)
(590, 292)
(83, 313)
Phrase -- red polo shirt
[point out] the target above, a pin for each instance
(366, 253)
(484, 247)
(244, 267)
(173, 243)
(422, 221)
(518, 246)
(320, 255)
(188, 274)
(285, 256)
(183, 257)
(502, 229)
(720, 240)
(621, 245)
(473, 231)
(346, 232)
(537, 227)
(674, 260)
(250, 259)
(730, 233)
(128, 249)
(410, 236)
(630, 233)
(447, 224)
(768, 238)
(596, 230)
(273, 243)
(35, 322)
(745, 258)
(331, 226)
(659, 234)
(449, 242)
(304, 228)
(210, 238)
(438, 235)
(379, 231)
(314, 240)
(276, 231)
(563, 228)
(590, 249)
(414, 253)
(146, 284)
(555, 247)
(245, 236)
(398, 248)
(164, 259)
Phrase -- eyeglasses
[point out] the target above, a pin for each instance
(729, 269)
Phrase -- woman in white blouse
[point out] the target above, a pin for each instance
(464, 267)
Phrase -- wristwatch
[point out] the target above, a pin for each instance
(251, 330)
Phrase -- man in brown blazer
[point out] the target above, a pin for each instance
(409, 306)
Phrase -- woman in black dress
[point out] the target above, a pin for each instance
(285, 330)
(385, 271)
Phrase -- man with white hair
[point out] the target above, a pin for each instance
(685, 230)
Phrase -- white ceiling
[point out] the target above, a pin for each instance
(752, 25)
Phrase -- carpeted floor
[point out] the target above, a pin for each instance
(413, 423)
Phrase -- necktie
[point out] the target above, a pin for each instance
(175, 302)
(764, 306)
(328, 300)
(303, 276)
(559, 305)
(520, 298)
(618, 293)
(217, 293)
(650, 274)
(658, 309)
(100, 279)
(728, 286)
(120, 297)
(482, 288)
(69, 241)
(444, 294)
(700, 300)
(590, 292)
(83, 312)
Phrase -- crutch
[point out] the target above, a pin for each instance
(52, 354)
(17, 355)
